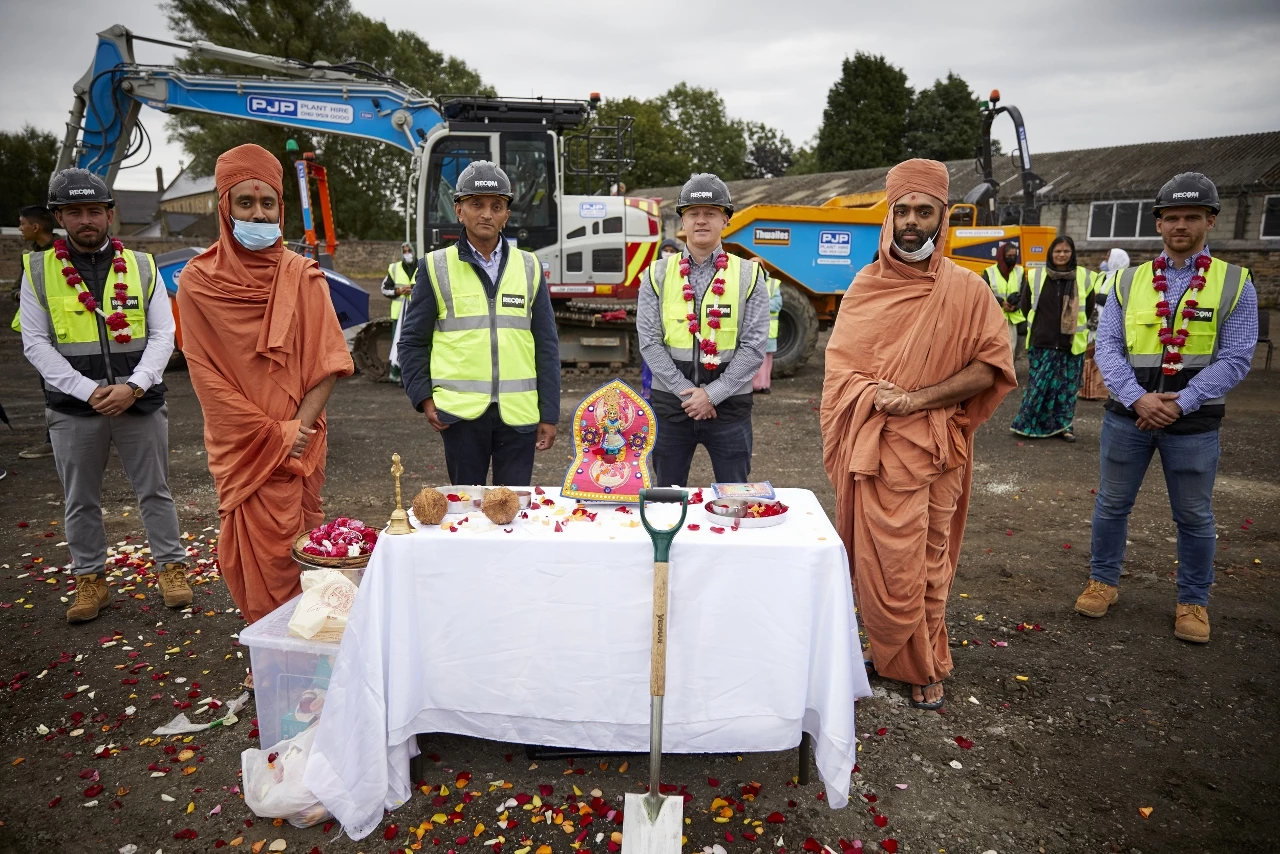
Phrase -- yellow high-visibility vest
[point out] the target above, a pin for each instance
(399, 278)
(482, 350)
(774, 286)
(1084, 287)
(1223, 285)
(739, 282)
(1008, 289)
(75, 328)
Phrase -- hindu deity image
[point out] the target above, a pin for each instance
(614, 431)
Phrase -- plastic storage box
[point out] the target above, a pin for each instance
(290, 675)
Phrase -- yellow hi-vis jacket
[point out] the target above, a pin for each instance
(1084, 287)
(400, 279)
(1008, 289)
(482, 350)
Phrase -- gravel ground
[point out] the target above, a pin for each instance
(1059, 731)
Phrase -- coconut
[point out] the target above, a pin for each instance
(429, 506)
(501, 505)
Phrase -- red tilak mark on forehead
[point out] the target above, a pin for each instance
(256, 188)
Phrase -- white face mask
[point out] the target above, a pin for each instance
(255, 236)
(925, 250)
(408, 257)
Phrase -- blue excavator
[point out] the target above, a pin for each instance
(593, 246)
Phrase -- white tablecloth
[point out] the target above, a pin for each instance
(541, 637)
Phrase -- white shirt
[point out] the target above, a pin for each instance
(38, 343)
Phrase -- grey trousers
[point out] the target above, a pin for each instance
(81, 445)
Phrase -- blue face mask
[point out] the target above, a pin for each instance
(255, 235)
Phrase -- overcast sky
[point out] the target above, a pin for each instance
(1088, 74)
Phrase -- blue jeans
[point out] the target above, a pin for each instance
(1190, 464)
(728, 443)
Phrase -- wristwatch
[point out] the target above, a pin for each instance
(138, 391)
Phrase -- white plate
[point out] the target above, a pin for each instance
(743, 522)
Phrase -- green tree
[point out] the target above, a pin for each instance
(865, 122)
(655, 140)
(27, 160)
(706, 137)
(684, 130)
(366, 179)
(945, 122)
(769, 152)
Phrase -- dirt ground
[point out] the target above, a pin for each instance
(1055, 734)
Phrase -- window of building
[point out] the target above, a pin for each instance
(1271, 217)
(1122, 220)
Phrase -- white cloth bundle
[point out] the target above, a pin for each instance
(327, 597)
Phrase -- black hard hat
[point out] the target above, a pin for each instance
(704, 189)
(1189, 189)
(78, 186)
(482, 178)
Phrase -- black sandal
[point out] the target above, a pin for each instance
(924, 704)
(1068, 436)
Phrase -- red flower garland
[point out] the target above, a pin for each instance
(707, 345)
(116, 321)
(1174, 339)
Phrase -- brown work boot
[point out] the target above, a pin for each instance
(1096, 599)
(91, 596)
(1192, 623)
(173, 584)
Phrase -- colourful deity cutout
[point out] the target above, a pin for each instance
(613, 433)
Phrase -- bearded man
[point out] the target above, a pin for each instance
(918, 359)
(265, 348)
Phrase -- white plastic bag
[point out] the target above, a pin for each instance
(272, 782)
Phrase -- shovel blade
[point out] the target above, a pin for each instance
(659, 835)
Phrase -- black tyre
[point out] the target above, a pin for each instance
(797, 332)
(371, 349)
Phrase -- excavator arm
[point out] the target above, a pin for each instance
(351, 99)
(983, 196)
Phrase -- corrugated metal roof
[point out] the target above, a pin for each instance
(188, 184)
(1235, 163)
(136, 207)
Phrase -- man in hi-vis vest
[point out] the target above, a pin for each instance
(1005, 280)
(398, 287)
(1176, 336)
(479, 354)
(96, 324)
(702, 318)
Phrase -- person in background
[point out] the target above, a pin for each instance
(264, 350)
(1092, 386)
(1177, 337)
(398, 287)
(1057, 300)
(761, 382)
(36, 224)
(1005, 280)
(100, 332)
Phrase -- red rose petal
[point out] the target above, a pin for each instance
(546, 791)
(776, 818)
(812, 844)
(889, 845)
(716, 530)
(390, 832)
(882, 731)
(881, 821)
(964, 743)
(713, 782)
(53, 803)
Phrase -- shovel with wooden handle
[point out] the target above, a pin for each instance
(653, 824)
